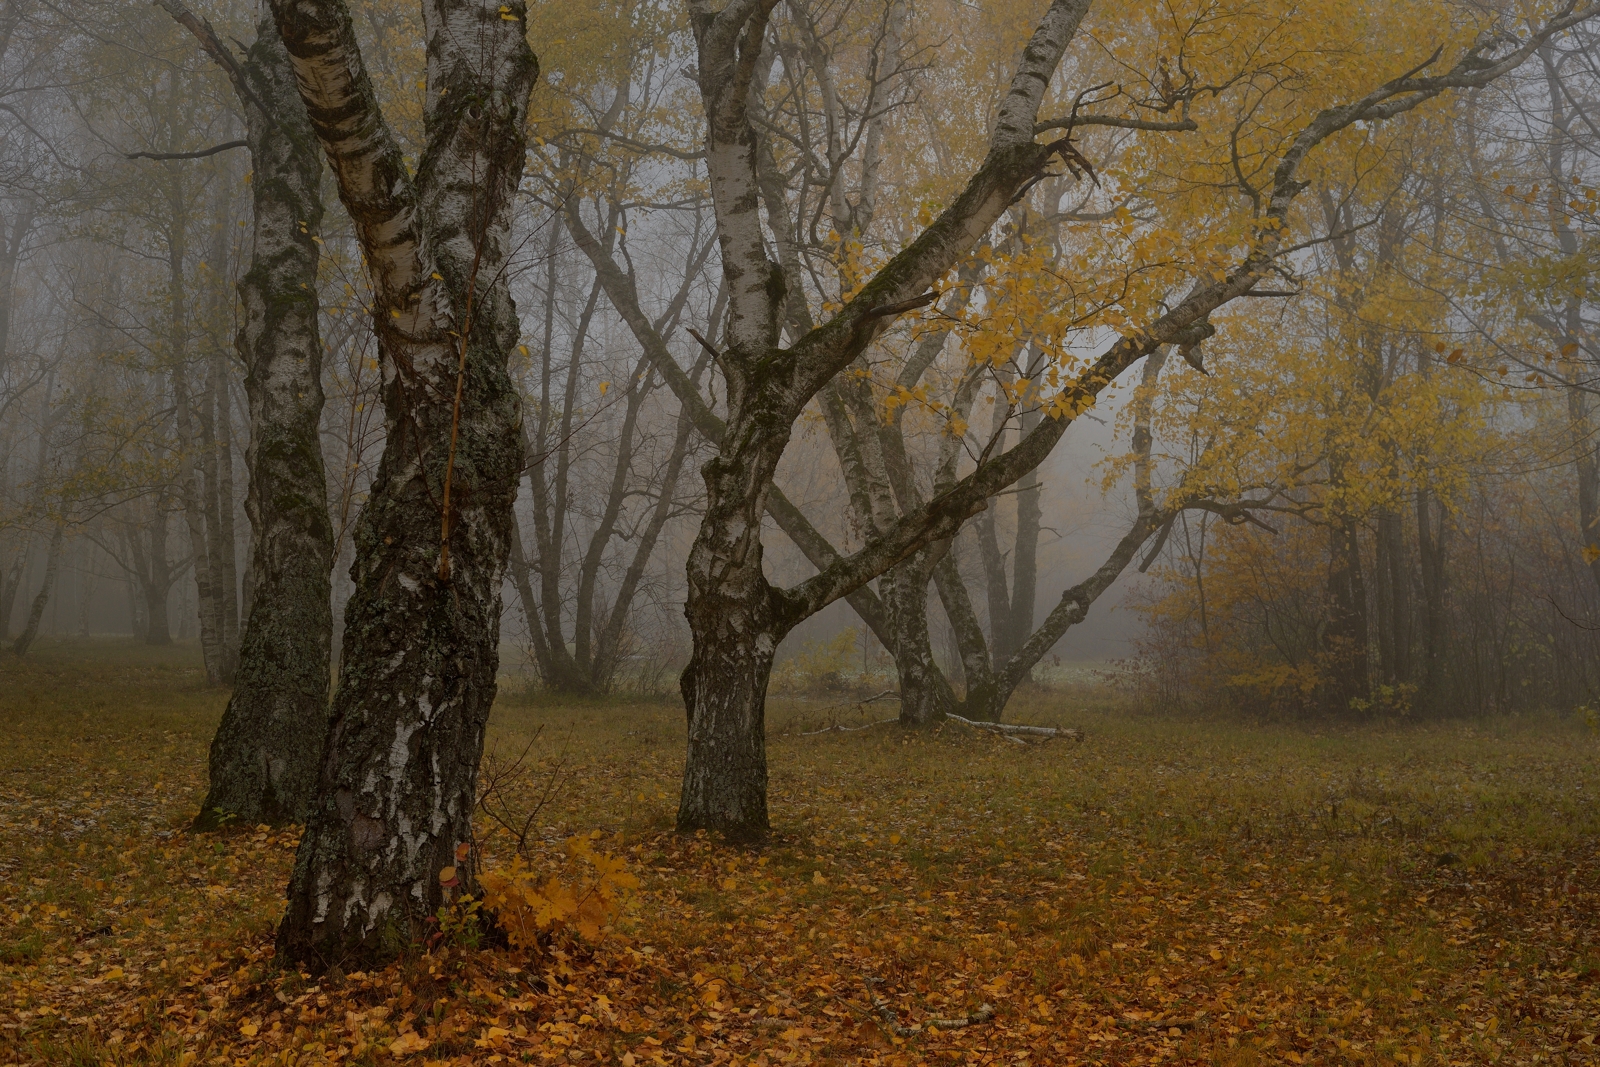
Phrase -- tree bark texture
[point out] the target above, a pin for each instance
(397, 787)
(267, 752)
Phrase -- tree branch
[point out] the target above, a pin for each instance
(1072, 122)
(1014, 158)
(198, 154)
(943, 515)
(374, 183)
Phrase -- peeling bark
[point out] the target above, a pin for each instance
(267, 752)
(397, 786)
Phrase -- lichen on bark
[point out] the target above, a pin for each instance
(268, 749)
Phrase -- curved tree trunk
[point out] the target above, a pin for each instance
(417, 679)
(267, 751)
(736, 626)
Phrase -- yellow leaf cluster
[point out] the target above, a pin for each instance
(585, 898)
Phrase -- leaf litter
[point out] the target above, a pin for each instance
(1166, 892)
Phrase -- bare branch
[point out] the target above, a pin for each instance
(198, 154)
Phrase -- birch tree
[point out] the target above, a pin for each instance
(736, 616)
(420, 652)
(267, 751)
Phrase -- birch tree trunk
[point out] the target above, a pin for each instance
(397, 786)
(267, 751)
(735, 616)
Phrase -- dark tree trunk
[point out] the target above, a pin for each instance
(925, 695)
(41, 600)
(13, 583)
(1345, 636)
(267, 752)
(1431, 530)
(417, 679)
(19, 564)
(736, 625)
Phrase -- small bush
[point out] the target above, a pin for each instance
(585, 898)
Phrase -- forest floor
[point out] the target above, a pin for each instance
(1168, 890)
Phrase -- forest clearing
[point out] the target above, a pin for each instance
(1007, 532)
(1164, 891)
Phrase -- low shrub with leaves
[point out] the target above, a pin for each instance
(588, 896)
(831, 665)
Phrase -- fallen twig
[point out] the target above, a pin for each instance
(984, 1013)
(1010, 729)
(1163, 1023)
(891, 1020)
(836, 728)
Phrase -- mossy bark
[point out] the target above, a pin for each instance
(420, 652)
(268, 749)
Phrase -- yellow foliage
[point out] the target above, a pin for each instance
(588, 896)
(820, 665)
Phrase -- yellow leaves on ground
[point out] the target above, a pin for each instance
(587, 896)
(1167, 875)
(407, 1043)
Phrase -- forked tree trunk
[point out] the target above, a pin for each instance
(267, 752)
(735, 616)
(417, 678)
